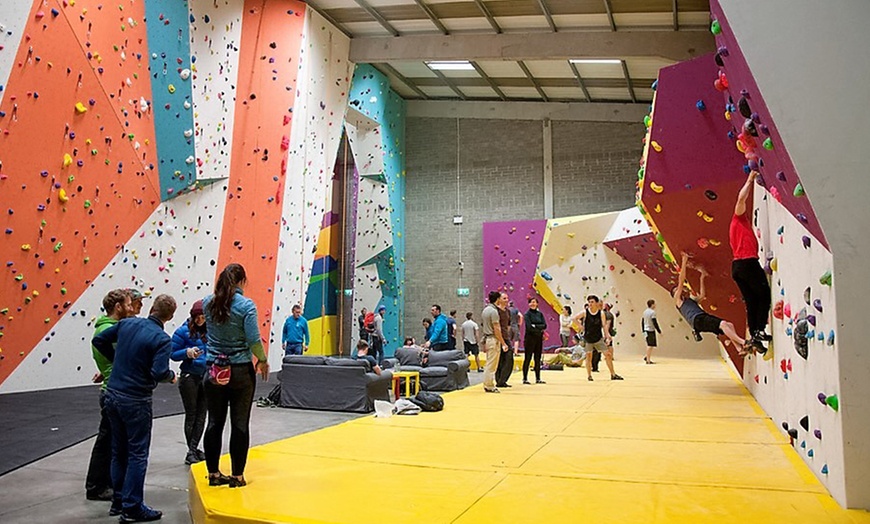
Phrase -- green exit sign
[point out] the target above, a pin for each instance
(462, 292)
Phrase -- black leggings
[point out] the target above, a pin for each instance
(533, 346)
(193, 399)
(752, 281)
(237, 396)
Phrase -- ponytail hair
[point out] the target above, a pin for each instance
(224, 291)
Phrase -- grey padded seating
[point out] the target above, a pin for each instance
(332, 384)
(446, 371)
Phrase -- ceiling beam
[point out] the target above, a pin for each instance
(489, 80)
(564, 45)
(609, 10)
(450, 84)
(545, 9)
(628, 82)
(533, 80)
(523, 81)
(676, 16)
(319, 10)
(387, 68)
(578, 111)
(489, 18)
(580, 81)
(434, 19)
(377, 16)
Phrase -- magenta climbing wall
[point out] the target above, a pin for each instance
(510, 259)
(690, 179)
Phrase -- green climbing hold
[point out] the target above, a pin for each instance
(63, 291)
(58, 246)
(87, 204)
(768, 143)
(826, 279)
(832, 401)
(70, 179)
(799, 191)
(716, 28)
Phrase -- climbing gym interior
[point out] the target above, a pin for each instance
(360, 154)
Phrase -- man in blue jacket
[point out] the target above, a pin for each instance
(439, 339)
(295, 336)
(139, 350)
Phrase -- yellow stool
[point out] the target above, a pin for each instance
(409, 376)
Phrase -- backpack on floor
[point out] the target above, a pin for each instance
(273, 399)
(428, 401)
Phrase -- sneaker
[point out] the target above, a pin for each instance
(237, 483)
(192, 458)
(589, 378)
(762, 336)
(616, 377)
(116, 508)
(493, 390)
(526, 381)
(200, 454)
(146, 514)
(220, 480)
(698, 337)
(103, 494)
(539, 381)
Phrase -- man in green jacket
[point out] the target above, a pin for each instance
(98, 485)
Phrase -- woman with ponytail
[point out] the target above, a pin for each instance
(233, 340)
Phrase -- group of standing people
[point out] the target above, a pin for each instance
(216, 347)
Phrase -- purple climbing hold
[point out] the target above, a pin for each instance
(817, 303)
(723, 51)
(822, 397)
(811, 319)
(802, 217)
(780, 176)
(805, 240)
(818, 433)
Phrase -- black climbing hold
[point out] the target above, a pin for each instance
(710, 194)
(805, 422)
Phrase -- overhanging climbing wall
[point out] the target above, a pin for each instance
(89, 211)
(376, 131)
(689, 180)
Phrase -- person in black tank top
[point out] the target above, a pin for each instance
(596, 333)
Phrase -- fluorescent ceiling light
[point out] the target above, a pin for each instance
(596, 61)
(458, 65)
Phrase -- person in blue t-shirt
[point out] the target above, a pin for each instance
(296, 337)
(188, 347)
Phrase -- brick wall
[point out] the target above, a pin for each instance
(501, 178)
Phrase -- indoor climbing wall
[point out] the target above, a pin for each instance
(91, 212)
(376, 131)
(689, 179)
(77, 178)
(798, 385)
(13, 19)
(309, 237)
(510, 258)
(562, 261)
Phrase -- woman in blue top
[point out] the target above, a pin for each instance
(233, 337)
(188, 347)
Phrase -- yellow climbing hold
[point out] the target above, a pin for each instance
(774, 264)
(25, 247)
(655, 187)
(655, 145)
(658, 208)
(171, 89)
(714, 242)
(707, 218)
(571, 235)
(80, 108)
(67, 159)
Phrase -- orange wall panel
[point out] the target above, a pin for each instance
(266, 92)
(52, 249)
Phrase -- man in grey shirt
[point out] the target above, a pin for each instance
(378, 339)
(493, 342)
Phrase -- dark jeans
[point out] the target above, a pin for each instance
(533, 346)
(293, 348)
(505, 367)
(441, 346)
(193, 399)
(131, 442)
(752, 281)
(377, 348)
(99, 477)
(237, 397)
